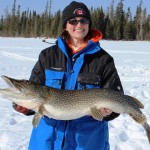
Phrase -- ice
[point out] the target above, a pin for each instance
(132, 59)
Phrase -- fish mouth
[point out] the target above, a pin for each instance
(12, 82)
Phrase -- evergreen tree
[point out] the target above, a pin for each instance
(119, 21)
(45, 18)
(18, 21)
(13, 21)
(34, 23)
(7, 24)
(138, 22)
(111, 13)
(56, 24)
(30, 25)
(147, 28)
(1, 25)
(109, 31)
(98, 19)
(27, 25)
(39, 26)
(145, 25)
(49, 19)
(23, 23)
(128, 25)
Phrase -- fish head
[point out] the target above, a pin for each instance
(21, 86)
(22, 92)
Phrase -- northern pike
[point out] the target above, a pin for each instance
(72, 104)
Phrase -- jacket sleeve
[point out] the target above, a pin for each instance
(38, 71)
(112, 81)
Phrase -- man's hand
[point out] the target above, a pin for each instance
(105, 111)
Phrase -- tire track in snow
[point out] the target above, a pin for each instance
(16, 56)
(128, 52)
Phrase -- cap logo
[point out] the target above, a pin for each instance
(79, 11)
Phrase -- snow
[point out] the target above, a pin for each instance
(132, 59)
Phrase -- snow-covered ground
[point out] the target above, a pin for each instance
(132, 58)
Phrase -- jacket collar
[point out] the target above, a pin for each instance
(86, 47)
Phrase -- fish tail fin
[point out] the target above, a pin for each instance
(147, 129)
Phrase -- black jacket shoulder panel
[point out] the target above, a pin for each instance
(49, 58)
(38, 71)
(49, 50)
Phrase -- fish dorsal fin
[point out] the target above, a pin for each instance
(96, 114)
(136, 101)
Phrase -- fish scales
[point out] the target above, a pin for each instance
(79, 99)
(72, 104)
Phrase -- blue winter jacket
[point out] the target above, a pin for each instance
(88, 68)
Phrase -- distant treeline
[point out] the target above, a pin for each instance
(114, 23)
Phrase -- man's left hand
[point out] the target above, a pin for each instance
(105, 111)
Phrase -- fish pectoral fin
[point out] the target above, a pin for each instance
(96, 114)
(38, 115)
(36, 119)
(41, 110)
